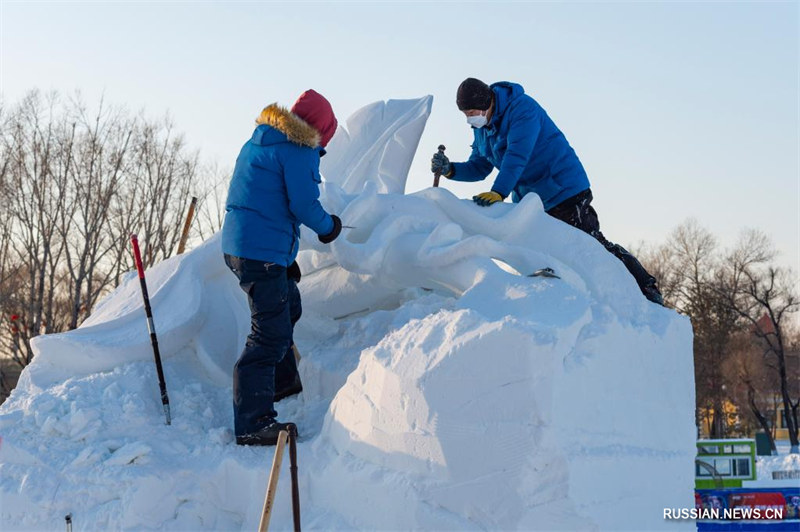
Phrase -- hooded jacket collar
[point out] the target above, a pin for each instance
(504, 93)
(281, 119)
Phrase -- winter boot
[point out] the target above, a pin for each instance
(266, 436)
(652, 293)
(294, 388)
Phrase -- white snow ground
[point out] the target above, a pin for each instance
(443, 389)
(784, 461)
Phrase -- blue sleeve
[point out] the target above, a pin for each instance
(524, 129)
(475, 169)
(301, 175)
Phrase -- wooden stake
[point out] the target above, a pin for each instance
(296, 353)
(186, 225)
(273, 481)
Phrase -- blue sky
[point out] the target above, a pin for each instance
(676, 109)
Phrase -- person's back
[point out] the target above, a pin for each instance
(273, 189)
(554, 171)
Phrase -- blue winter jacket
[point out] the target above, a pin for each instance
(530, 152)
(274, 189)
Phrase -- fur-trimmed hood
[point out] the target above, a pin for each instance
(295, 128)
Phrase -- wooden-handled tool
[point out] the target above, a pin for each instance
(437, 175)
(283, 436)
(289, 435)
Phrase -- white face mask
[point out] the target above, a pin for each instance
(477, 121)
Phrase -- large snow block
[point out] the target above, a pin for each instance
(515, 424)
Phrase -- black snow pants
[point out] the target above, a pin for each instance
(578, 212)
(267, 363)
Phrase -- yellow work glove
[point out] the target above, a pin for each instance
(484, 199)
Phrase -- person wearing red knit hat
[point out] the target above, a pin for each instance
(312, 107)
(274, 189)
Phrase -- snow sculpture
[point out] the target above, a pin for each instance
(443, 386)
(377, 146)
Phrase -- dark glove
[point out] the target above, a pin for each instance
(337, 228)
(484, 199)
(440, 163)
(293, 272)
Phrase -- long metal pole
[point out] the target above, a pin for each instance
(151, 327)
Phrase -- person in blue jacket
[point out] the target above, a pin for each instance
(274, 189)
(513, 133)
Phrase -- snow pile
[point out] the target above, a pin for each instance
(765, 465)
(444, 388)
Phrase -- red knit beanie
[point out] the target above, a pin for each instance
(312, 107)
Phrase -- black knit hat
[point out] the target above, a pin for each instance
(473, 94)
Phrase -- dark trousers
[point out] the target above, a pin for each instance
(578, 212)
(267, 362)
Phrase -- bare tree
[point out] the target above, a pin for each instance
(686, 266)
(764, 296)
(664, 264)
(8, 268)
(5, 223)
(752, 385)
(739, 304)
(167, 173)
(75, 184)
(95, 169)
(211, 205)
(37, 186)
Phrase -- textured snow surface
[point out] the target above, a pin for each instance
(444, 389)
